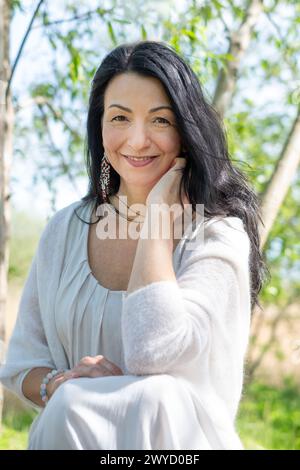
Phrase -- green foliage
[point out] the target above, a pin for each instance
(47, 90)
(112, 33)
(10, 439)
(15, 428)
(269, 418)
(16, 5)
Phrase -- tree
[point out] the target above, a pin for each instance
(6, 125)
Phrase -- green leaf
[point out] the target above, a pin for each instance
(189, 33)
(144, 32)
(218, 5)
(74, 66)
(111, 33)
(118, 20)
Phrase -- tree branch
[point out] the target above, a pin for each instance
(281, 37)
(87, 14)
(279, 184)
(239, 42)
(22, 47)
(57, 151)
(42, 100)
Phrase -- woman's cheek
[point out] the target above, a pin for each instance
(112, 139)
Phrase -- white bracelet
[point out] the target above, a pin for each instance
(46, 380)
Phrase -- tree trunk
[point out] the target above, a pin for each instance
(280, 182)
(6, 131)
(239, 43)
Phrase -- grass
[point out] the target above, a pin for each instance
(15, 429)
(269, 418)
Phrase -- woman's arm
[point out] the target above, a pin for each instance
(32, 382)
(167, 324)
(146, 267)
(28, 346)
(154, 255)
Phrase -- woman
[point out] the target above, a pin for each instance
(147, 337)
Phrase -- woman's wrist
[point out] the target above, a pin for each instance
(157, 232)
(46, 387)
(158, 223)
(51, 386)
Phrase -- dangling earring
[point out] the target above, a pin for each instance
(104, 177)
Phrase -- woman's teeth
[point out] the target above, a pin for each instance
(139, 158)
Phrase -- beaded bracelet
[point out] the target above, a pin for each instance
(46, 380)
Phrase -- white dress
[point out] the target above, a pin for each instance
(112, 412)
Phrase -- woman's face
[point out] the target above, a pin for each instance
(139, 130)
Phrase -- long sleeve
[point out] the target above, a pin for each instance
(28, 346)
(34, 341)
(167, 325)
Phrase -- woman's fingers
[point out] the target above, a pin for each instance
(109, 365)
(95, 370)
(96, 366)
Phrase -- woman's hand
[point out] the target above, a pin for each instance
(166, 190)
(54, 383)
(97, 366)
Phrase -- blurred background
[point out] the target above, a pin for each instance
(247, 57)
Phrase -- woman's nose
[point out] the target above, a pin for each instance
(138, 137)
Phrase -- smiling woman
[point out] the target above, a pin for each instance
(143, 136)
(150, 103)
(153, 333)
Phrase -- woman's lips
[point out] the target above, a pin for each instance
(140, 163)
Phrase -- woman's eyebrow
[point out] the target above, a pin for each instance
(153, 110)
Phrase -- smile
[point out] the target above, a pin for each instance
(140, 161)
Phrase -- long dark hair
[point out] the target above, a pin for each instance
(209, 177)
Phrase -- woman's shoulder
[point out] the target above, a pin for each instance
(57, 225)
(220, 226)
(231, 226)
(66, 212)
(218, 236)
(230, 229)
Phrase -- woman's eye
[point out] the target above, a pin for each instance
(118, 117)
(163, 119)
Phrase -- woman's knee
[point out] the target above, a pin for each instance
(157, 390)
